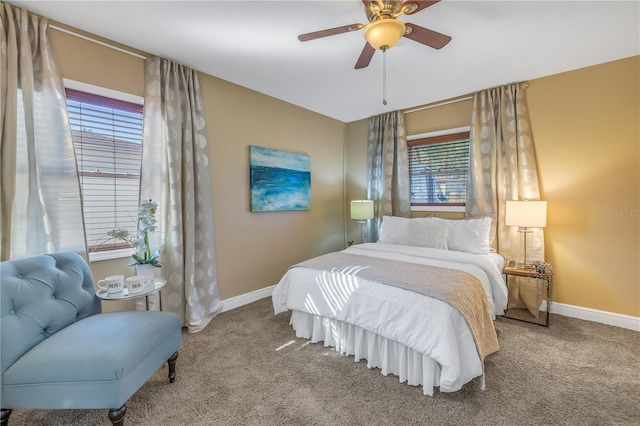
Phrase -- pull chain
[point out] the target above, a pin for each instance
(384, 76)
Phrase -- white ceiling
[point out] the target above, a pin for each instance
(254, 44)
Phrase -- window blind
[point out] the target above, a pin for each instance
(438, 169)
(107, 136)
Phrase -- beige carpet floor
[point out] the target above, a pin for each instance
(247, 368)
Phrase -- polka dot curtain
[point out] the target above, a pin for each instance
(503, 163)
(41, 207)
(387, 169)
(175, 172)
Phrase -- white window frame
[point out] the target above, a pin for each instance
(122, 96)
(430, 135)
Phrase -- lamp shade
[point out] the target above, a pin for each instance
(384, 33)
(529, 214)
(361, 209)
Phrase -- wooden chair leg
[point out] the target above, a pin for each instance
(4, 417)
(172, 367)
(116, 415)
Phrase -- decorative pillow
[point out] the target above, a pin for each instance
(470, 235)
(428, 232)
(394, 230)
(417, 232)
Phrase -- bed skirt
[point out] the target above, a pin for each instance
(389, 356)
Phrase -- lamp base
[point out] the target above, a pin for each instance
(524, 263)
(364, 234)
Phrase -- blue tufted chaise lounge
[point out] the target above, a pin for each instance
(59, 351)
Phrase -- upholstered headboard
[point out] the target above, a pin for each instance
(39, 296)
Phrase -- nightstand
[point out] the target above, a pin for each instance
(532, 288)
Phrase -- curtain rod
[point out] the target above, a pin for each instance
(466, 98)
(453, 101)
(101, 43)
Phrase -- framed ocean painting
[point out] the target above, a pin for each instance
(280, 180)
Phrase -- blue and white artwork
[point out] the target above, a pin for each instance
(280, 180)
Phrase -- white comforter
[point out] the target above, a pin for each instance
(424, 324)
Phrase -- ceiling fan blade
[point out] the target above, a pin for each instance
(421, 5)
(365, 56)
(427, 37)
(329, 32)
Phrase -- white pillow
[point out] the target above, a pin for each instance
(417, 232)
(394, 230)
(493, 227)
(428, 232)
(470, 235)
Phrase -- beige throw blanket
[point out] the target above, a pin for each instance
(459, 289)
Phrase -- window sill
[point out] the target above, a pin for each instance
(460, 209)
(109, 255)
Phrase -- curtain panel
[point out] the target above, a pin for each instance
(503, 163)
(40, 200)
(387, 169)
(175, 173)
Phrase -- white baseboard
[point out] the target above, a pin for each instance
(245, 299)
(588, 314)
(609, 318)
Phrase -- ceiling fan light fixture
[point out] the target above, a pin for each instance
(383, 34)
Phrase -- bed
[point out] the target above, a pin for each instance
(367, 301)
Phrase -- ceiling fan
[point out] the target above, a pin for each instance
(383, 30)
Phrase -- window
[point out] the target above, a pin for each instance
(438, 169)
(107, 136)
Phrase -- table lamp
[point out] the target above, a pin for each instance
(526, 214)
(362, 210)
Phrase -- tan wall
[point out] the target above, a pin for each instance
(356, 177)
(92, 63)
(586, 131)
(253, 249)
(432, 119)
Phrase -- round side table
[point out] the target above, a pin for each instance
(154, 286)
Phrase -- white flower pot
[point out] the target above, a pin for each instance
(146, 270)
